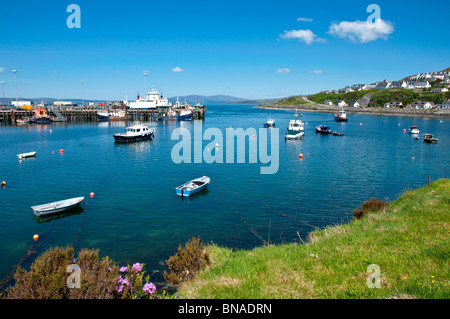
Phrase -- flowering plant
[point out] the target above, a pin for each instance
(131, 283)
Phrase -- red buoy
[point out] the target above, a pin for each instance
(92, 194)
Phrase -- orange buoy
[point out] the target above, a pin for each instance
(50, 131)
(307, 154)
(92, 194)
(300, 156)
(61, 151)
(35, 237)
(404, 130)
(3, 183)
(53, 152)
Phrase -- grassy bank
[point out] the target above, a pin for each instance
(409, 242)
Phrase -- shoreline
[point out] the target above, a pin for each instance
(351, 110)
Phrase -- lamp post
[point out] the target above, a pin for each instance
(145, 80)
(15, 81)
(3, 87)
(82, 93)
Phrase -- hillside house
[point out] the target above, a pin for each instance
(341, 103)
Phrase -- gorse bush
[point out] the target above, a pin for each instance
(187, 262)
(370, 205)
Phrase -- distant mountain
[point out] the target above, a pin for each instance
(202, 99)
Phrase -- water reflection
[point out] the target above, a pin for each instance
(48, 218)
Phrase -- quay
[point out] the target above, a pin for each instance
(70, 114)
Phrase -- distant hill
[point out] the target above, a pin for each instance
(202, 99)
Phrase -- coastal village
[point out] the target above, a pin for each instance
(431, 82)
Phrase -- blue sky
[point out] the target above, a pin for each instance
(248, 49)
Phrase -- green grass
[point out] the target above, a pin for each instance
(409, 242)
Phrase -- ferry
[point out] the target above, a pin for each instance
(152, 101)
(135, 132)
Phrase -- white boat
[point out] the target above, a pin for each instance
(26, 155)
(414, 130)
(193, 186)
(151, 101)
(296, 128)
(57, 207)
(135, 132)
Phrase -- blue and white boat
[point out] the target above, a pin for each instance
(185, 115)
(323, 129)
(193, 186)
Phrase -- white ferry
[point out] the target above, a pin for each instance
(152, 101)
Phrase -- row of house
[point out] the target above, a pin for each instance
(418, 81)
(415, 105)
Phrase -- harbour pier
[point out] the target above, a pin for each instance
(9, 115)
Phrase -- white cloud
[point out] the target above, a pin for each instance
(177, 69)
(362, 31)
(318, 72)
(2, 69)
(283, 70)
(306, 36)
(304, 20)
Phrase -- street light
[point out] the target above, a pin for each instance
(145, 77)
(3, 86)
(15, 81)
(82, 92)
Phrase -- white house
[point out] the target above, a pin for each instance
(328, 102)
(445, 105)
(398, 85)
(439, 90)
(393, 104)
(418, 85)
(423, 105)
(341, 103)
(354, 104)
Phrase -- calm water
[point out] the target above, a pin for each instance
(135, 215)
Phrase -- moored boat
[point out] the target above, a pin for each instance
(269, 123)
(341, 116)
(57, 207)
(185, 115)
(296, 129)
(193, 186)
(323, 129)
(135, 132)
(429, 138)
(26, 155)
(414, 130)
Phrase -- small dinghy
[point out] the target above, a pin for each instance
(57, 207)
(337, 133)
(26, 155)
(193, 186)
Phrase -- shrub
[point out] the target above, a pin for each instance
(370, 205)
(187, 262)
(99, 278)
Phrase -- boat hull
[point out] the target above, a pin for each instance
(57, 207)
(294, 135)
(340, 119)
(119, 138)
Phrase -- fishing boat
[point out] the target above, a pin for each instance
(323, 129)
(296, 129)
(193, 186)
(57, 207)
(414, 130)
(135, 132)
(428, 138)
(341, 116)
(103, 116)
(269, 123)
(185, 115)
(26, 155)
